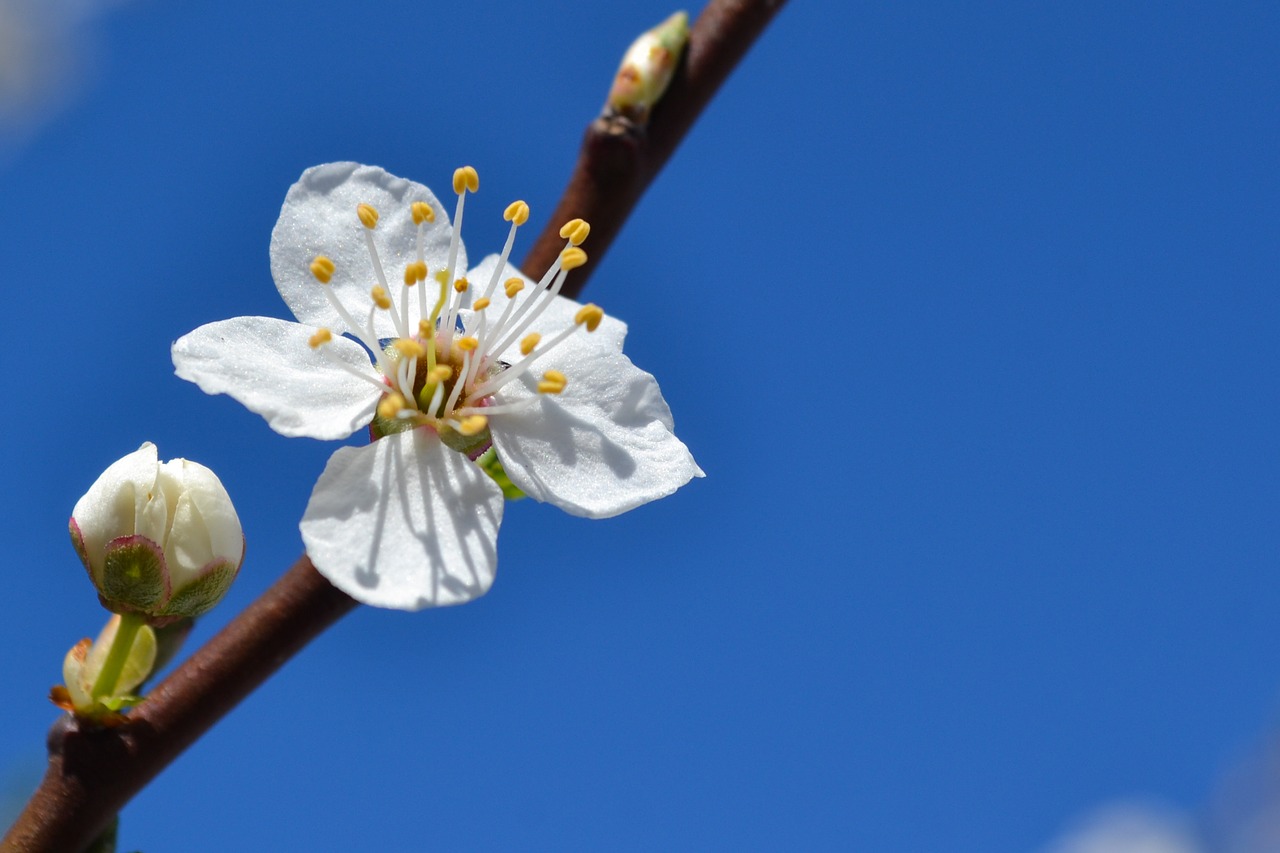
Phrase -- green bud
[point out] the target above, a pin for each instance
(647, 68)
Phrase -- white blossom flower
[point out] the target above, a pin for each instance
(446, 366)
(159, 539)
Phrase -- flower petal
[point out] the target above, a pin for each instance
(267, 365)
(110, 507)
(601, 447)
(404, 523)
(319, 218)
(558, 315)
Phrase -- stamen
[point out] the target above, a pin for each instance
(391, 405)
(530, 341)
(461, 285)
(472, 425)
(440, 373)
(369, 216)
(513, 286)
(591, 314)
(553, 382)
(465, 178)
(481, 304)
(322, 268)
(320, 338)
(409, 348)
(422, 212)
(584, 317)
(572, 258)
(377, 269)
(467, 344)
(517, 213)
(575, 231)
(380, 297)
(457, 386)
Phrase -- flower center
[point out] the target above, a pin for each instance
(443, 373)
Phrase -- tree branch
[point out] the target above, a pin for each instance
(93, 772)
(619, 158)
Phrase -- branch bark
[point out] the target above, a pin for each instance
(619, 158)
(93, 772)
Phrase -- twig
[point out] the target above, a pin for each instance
(619, 158)
(93, 772)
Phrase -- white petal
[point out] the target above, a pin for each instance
(319, 218)
(204, 527)
(109, 509)
(268, 366)
(601, 447)
(226, 538)
(558, 315)
(404, 523)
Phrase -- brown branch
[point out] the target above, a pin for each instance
(619, 158)
(93, 772)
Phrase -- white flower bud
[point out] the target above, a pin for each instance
(160, 539)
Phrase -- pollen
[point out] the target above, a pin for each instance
(320, 338)
(590, 314)
(467, 344)
(481, 303)
(322, 268)
(465, 179)
(461, 285)
(473, 425)
(575, 231)
(380, 297)
(414, 272)
(513, 286)
(409, 348)
(517, 212)
(572, 258)
(530, 341)
(368, 215)
(422, 212)
(553, 382)
(391, 406)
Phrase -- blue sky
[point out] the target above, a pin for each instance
(969, 314)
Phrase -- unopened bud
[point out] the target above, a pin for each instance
(159, 539)
(647, 68)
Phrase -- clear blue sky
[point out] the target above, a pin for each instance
(969, 313)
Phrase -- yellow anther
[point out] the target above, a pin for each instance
(575, 231)
(517, 212)
(553, 382)
(461, 285)
(320, 338)
(466, 344)
(465, 179)
(591, 314)
(391, 406)
(513, 286)
(425, 328)
(422, 212)
(380, 297)
(440, 373)
(529, 342)
(322, 268)
(572, 258)
(481, 304)
(368, 216)
(414, 271)
(409, 348)
(473, 424)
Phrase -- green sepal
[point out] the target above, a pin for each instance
(201, 595)
(119, 703)
(134, 577)
(492, 465)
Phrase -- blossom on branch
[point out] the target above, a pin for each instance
(449, 368)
